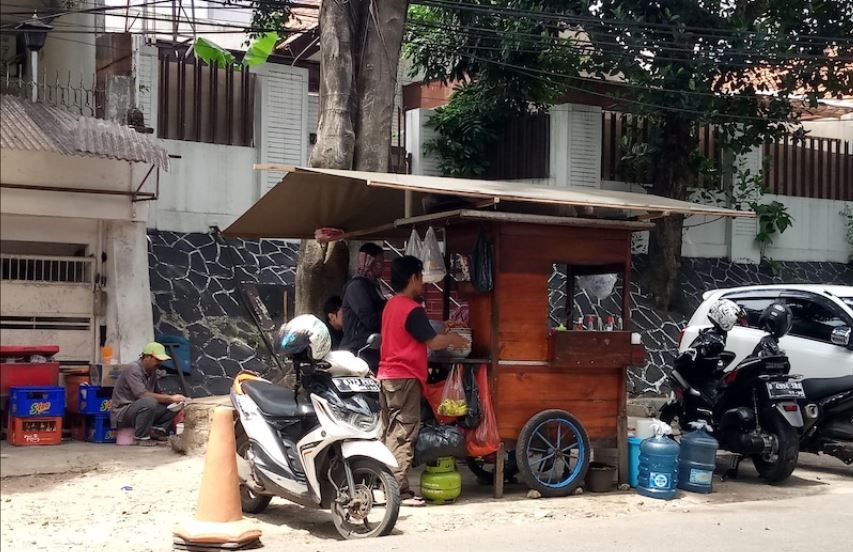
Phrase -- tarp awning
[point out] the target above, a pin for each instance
(355, 201)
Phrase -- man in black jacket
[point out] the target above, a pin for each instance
(363, 303)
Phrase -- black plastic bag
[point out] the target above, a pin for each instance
(482, 265)
(435, 441)
(472, 397)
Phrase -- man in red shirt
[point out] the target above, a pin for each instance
(406, 336)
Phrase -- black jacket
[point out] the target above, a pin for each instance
(363, 304)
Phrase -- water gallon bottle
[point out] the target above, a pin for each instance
(697, 459)
(658, 473)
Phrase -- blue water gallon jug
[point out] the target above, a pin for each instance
(658, 473)
(696, 461)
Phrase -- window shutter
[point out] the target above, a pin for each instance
(284, 119)
(576, 145)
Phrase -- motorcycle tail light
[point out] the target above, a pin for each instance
(679, 393)
(681, 335)
(790, 407)
(730, 377)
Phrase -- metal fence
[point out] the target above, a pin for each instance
(55, 270)
(810, 167)
(68, 92)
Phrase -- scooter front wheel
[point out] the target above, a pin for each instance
(372, 507)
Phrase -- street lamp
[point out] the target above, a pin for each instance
(35, 33)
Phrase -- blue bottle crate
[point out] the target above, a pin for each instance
(95, 399)
(99, 430)
(37, 402)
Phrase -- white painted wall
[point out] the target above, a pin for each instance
(53, 169)
(841, 128)
(209, 185)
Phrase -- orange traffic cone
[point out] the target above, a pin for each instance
(219, 521)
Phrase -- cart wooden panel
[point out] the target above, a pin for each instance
(534, 368)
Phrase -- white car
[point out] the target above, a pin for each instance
(819, 344)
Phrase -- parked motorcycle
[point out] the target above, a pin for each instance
(828, 417)
(318, 445)
(753, 408)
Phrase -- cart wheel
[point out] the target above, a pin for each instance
(553, 453)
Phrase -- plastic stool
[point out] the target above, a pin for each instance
(124, 436)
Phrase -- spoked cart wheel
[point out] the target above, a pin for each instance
(553, 453)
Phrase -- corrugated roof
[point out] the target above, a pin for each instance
(355, 201)
(29, 126)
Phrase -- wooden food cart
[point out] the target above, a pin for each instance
(557, 394)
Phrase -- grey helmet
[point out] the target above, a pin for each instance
(724, 314)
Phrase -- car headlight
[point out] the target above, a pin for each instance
(362, 422)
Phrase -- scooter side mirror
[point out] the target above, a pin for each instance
(841, 336)
(374, 341)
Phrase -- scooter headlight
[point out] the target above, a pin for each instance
(361, 422)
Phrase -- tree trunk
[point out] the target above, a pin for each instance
(676, 142)
(377, 83)
(320, 274)
(360, 43)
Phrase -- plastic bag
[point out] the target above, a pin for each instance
(482, 265)
(415, 247)
(453, 396)
(472, 397)
(484, 439)
(326, 234)
(434, 268)
(599, 286)
(435, 441)
(432, 394)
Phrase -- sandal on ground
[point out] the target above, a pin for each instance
(145, 442)
(413, 502)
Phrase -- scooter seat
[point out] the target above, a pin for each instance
(819, 388)
(275, 401)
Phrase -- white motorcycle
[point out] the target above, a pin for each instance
(318, 446)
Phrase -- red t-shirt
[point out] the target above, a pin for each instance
(405, 331)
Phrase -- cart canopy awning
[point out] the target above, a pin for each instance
(369, 203)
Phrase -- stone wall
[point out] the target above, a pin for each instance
(193, 294)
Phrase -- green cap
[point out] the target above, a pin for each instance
(156, 350)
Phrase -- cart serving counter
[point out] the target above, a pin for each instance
(557, 393)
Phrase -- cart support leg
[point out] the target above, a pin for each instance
(622, 429)
(499, 470)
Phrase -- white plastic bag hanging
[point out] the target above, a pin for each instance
(433, 259)
(599, 286)
(415, 247)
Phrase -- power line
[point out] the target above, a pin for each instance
(595, 46)
(711, 32)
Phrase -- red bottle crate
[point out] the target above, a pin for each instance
(28, 432)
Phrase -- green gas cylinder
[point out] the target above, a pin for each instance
(440, 482)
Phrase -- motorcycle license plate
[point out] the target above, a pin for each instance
(785, 390)
(356, 385)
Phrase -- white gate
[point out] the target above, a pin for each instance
(48, 300)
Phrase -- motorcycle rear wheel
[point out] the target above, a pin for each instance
(780, 466)
(376, 486)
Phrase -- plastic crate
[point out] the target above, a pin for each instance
(29, 432)
(98, 430)
(37, 402)
(95, 399)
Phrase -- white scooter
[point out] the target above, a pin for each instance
(318, 446)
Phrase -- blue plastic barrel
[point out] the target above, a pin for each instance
(634, 459)
(696, 461)
(658, 473)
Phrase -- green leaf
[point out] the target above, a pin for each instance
(260, 49)
(211, 53)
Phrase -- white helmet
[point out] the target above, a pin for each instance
(724, 314)
(305, 331)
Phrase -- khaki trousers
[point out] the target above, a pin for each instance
(400, 401)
